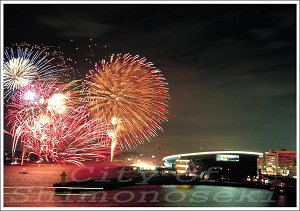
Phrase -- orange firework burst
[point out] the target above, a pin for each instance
(131, 94)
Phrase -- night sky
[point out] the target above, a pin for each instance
(231, 68)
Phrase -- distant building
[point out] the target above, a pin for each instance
(217, 164)
(278, 162)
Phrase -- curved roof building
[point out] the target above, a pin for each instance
(225, 163)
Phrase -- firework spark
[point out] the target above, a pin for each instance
(37, 104)
(132, 94)
(48, 119)
(67, 72)
(24, 69)
(69, 138)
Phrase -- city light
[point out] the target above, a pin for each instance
(213, 152)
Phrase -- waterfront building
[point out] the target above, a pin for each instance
(217, 164)
(279, 162)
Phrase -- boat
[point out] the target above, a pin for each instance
(24, 171)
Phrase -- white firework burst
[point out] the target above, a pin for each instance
(23, 69)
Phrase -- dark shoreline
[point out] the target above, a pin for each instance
(77, 187)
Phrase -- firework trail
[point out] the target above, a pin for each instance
(78, 136)
(24, 69)
(36, 104)
(69, 138)
(131, 94)
(66, 138)
(67, 71)
(48, 119)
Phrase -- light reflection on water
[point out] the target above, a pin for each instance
(38, 191)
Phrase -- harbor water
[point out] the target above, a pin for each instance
(35, 189)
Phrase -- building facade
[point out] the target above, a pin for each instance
(278, 162)
(220, 164)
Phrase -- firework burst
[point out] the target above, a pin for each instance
(24, 69)
(67, 72)
(48, 119)
(131, 94)
(69, 138)
(36, 105)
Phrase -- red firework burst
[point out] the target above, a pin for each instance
(47, 118)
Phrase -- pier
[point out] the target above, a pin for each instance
(114, 183)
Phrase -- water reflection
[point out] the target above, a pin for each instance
(35, 189)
